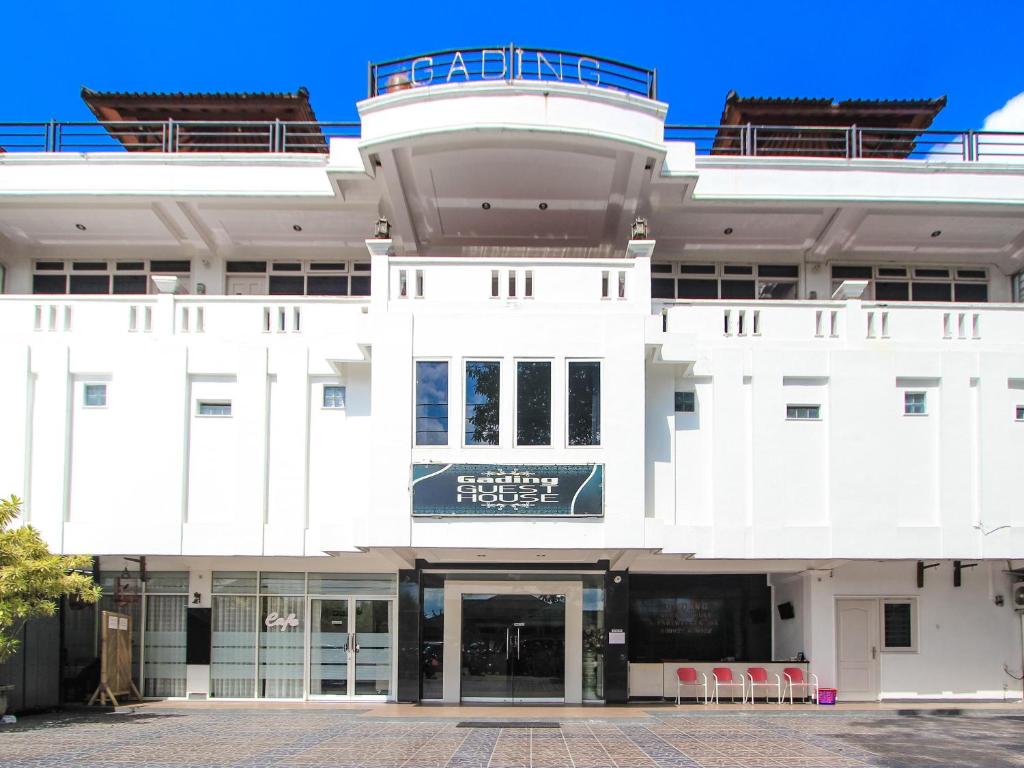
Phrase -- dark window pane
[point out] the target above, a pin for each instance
(697, 289)
(431, 402)
(361, 286)
(892, 272)
(130, 283)
(432, 635)
(737, 270)
(663, 288)
(244, 266)
(778, 270)
(89, 266)
(661, 268)
(176, 266)
(932, 291)
(892, 291)
(533, 403)
(970, 292)
(49, 266)
(686, 402)
(851, 273)
(898, 626)
(89, 284)
(49, 284)
(931, 273)
(584, 405)
(286, 286)
(328, 266)
(770, 290)
(483, 384)
(697, 269)
(134, 266)
(361, 266)
(971, 273)
(322, 285)
(737, 289)
(286, 266)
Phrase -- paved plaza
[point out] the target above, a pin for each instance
(647, 738)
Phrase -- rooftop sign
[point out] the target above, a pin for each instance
(508, 64)
(503, 490)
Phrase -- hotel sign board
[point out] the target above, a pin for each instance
(508, 490)
(509, 63)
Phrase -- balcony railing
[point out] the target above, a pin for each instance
(279, 136)
(848, 143)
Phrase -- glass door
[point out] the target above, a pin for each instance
(513, 647)
(350, 647)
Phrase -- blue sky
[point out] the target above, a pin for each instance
(970, 52)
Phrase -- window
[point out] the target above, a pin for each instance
(803, 412)
(102, 277)
(334, 396)
(94, 396)
(724, 281)
(533, 403)
(898, 625)
(528, 284)
(584, 403)
(334, 277)
(898, 283)
(1020, 413)
(915, 404)
(431, 402)
(213, 408)
(686, 402)
(483, 384)
(495, 283)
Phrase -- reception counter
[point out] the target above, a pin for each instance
(658, 680)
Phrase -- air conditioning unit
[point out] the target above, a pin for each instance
(1018, 597)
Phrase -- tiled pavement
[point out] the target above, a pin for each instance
(660, 738)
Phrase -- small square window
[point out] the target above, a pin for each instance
(803, 412)
(334, 396)
(915, 404)
(213, 408)
(686, 402)
(898, 626)
(95, 396)
(1020, 413)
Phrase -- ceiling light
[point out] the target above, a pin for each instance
(486, 206)
(936, 233)
(80, 227)
(727, 231)
(297, 227)
(543, 206)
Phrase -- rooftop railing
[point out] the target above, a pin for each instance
(278, 136)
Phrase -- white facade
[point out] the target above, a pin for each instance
(838, 506)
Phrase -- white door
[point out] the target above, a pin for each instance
(247, 286)
(857, 650)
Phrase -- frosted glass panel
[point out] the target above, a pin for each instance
(233, 652)
(281, 647)
(165, 645)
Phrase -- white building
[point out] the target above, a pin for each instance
(781, 415)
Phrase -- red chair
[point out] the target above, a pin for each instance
(687, 676)
(795, 679)
(758, 676)
(724, 679)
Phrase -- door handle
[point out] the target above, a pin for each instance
(874, 652)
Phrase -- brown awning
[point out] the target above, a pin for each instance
(213, 122)
(905, 117)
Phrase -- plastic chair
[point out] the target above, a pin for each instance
(724, 678)
(687, 676)
(795, 679)
(758, 677)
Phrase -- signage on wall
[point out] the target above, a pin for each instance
(282, 623)
(508, 490)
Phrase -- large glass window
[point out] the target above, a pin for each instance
(584, 403)
(233, 645)
(593, 638)
(432, 636)
(483, 385)
(281, 647)
(165, 645)
(898, 625)
(533, 403)
(431, 402)
(902, 283)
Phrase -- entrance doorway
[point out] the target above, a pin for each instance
(857, 650)
(350, 648)
(513, 648)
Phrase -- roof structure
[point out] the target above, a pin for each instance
(906, 119)
(217, 122)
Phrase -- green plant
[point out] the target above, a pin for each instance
(32, 579)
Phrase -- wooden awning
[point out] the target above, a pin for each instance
(211, 122)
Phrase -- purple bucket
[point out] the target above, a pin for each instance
(827, 696)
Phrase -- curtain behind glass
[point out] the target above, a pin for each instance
(233, 651)
(281, 652)
(165, 645)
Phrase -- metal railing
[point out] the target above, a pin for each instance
(173, 136)
(509, 63)
(849, 142)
